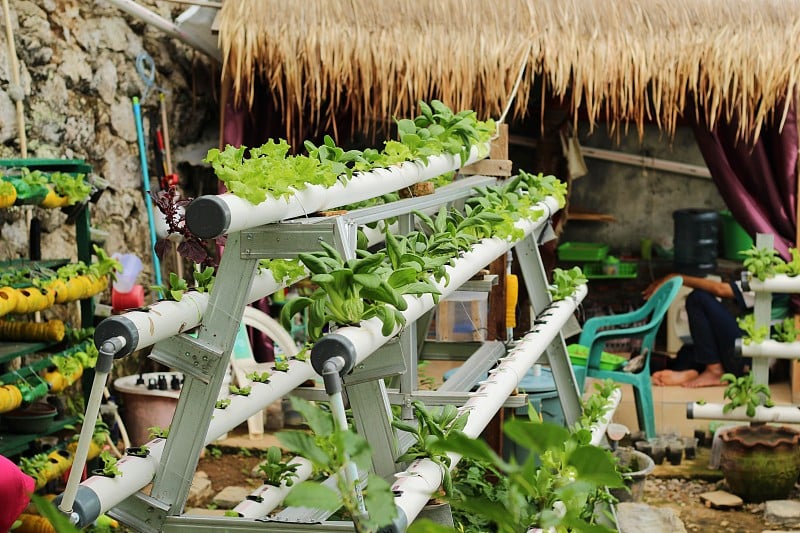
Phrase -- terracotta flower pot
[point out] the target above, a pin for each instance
(760, 462)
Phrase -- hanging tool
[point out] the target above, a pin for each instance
(137, 114)
(170, 176)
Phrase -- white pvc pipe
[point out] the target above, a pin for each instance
(772, 348)
(788, 414)
(368, 337)
(84, 441)
(261, 395)
(598, 429)
(137, 472)
(422, 479)
(777, 283)
(168, 318)
(168, 27)
(268, 497)
(243, 215)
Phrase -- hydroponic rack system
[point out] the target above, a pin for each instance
(256, 232)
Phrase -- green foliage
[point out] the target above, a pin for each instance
(329, 450)
(73, 186)
(239, 391)
(786, 330)
(175, 288)
(105, 264)
(109, 464)
(268, 171)
(556, 487)
(34, 464)
(258, 377)
(214, 451)
(595, 406)
(157, 432)
(430, 426)
(222, 403)
(351, 291)
(762, 262)
(752, 333)
(204, 279)
(281, 365)
(742, 391)
(565, 282)
(276, 471)
(58, 519)
(792, 267)
(284, 270)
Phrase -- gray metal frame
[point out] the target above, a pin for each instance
(204, 361)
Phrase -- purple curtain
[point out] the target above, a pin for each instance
(756, 179)
(247, 128)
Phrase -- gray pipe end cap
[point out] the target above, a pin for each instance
(208, 217)
(86, 506)
(117, 326)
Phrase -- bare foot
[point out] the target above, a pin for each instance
(707, 378)
(673, 377)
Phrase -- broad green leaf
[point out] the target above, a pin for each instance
(320, 422)
(593, 465)
(379, 501)
(313, 495)
(536, 437)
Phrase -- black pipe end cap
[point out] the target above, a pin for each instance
(208, 217)
(333, 345)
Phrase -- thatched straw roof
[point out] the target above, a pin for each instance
(624, 61)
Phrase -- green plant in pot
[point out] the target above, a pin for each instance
(759, 461)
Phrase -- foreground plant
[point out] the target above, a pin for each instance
(743, 391)
(330, 450)
(565, 282)
(432, 425)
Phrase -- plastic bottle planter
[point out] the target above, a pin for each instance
(58, 381)
(33, 299)
(53, 200)
(8, 300)
(8, 195)
(10, 398)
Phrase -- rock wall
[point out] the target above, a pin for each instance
(78, 75)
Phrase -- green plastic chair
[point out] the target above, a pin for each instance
(643, 323)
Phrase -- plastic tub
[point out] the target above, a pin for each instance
(143, 408)
(35, 418)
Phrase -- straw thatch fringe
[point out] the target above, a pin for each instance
(624, 61)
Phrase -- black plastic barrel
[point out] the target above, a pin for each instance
(696, 241)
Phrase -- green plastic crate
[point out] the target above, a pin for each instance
(608, 361)
(627, 270)
(582, 251)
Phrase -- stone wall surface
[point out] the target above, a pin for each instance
(78, 75)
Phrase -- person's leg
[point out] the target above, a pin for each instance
(680, 370)
(714, 331)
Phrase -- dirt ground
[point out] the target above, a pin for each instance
(662, 489)
(683, 497)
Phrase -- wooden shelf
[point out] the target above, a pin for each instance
(578, 213)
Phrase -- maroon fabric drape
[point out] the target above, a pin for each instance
(245, 127)
(757, 179)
